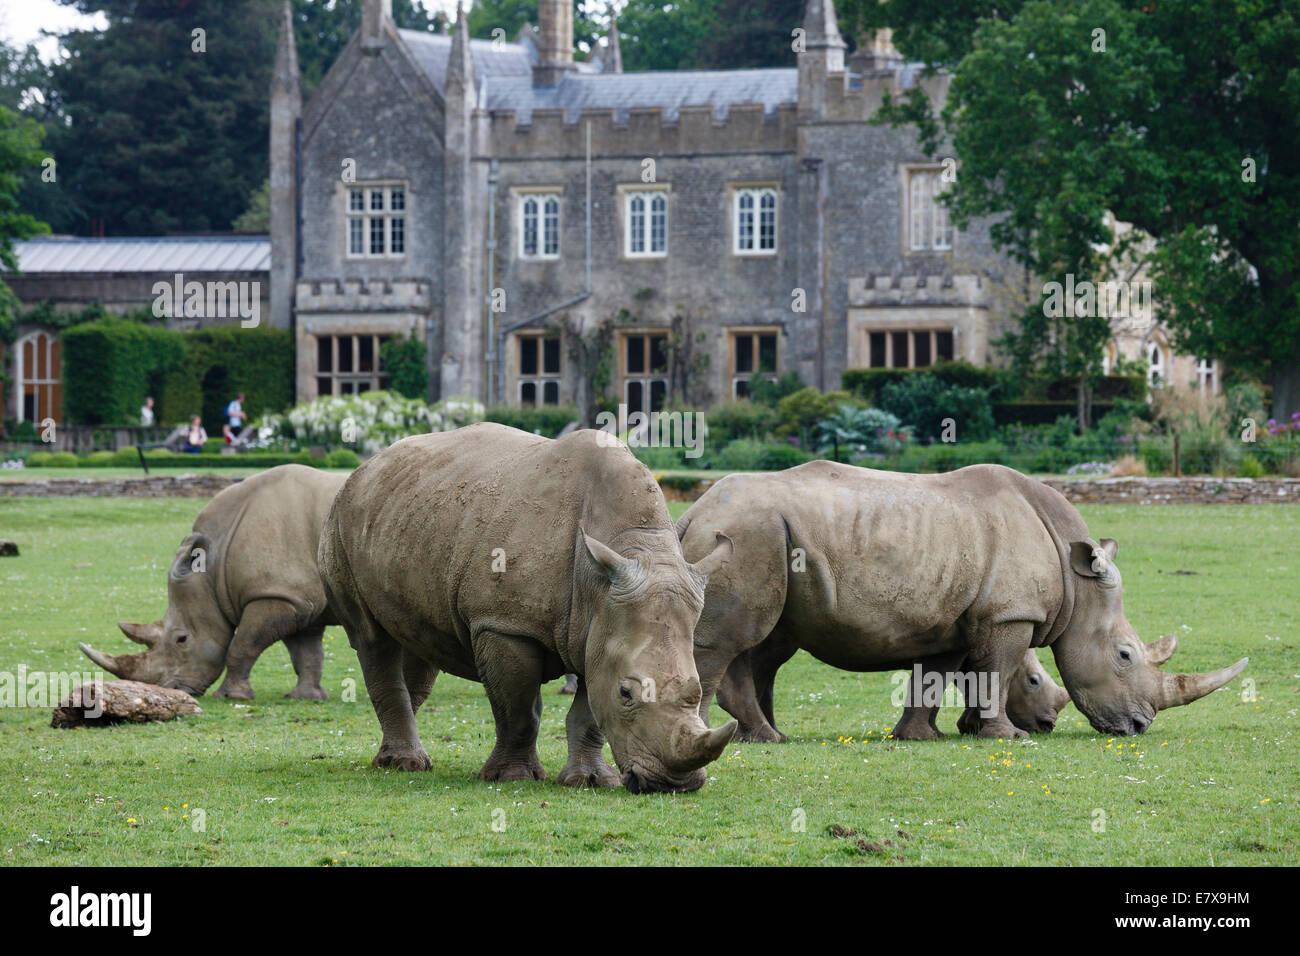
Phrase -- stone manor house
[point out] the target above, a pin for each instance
(480, 196)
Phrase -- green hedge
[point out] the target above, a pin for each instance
(548, 420)
(111, 364)
(1108, 388)
(1043, 413)
(866, 383)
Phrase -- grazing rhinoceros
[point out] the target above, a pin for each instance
(243, 579)
(973, 567)
(510, 559)
(746, 692)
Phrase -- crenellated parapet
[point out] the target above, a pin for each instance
(893, 291)
(364, 295)
(642, 131)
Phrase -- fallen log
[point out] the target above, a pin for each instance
(104, 703)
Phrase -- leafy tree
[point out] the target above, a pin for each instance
(20, 140)
(257, 217)
(1183, 120)
(512, 15)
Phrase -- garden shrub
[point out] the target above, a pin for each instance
(39, 459)
(548, 420)
(342, 458)
(741, 418)
(406, 363)
(374, 420)
(923, 402)
(781, 455)
(742, 454)
(868, 384)
(1251, 467)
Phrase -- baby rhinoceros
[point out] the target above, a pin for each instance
(244, 578)
(872, 570)
(510, 559)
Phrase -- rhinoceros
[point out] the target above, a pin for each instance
(510, 559)
(873, 570)
(244, 578)
(746, 692)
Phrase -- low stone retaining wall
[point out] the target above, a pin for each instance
(146, 486)
(1130, 491)
(1178, 491)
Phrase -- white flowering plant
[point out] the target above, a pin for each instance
(368, 422)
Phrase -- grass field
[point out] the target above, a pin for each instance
(289, 782)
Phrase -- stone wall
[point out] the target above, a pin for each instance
(1109, 491)
(151, 486)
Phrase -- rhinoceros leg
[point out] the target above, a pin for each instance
(764, 661)
(260, 625)
(738, 697)
(995, 651)
(586, 766)
(381, 666)
(511, 671)
(419, 676)
(919, 719)
(307, 653)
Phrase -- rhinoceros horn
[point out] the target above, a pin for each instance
(146, 634)
(696, 750)
(1179, 689)
(123, 665)
(1161, 650)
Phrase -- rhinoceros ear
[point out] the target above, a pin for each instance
(1110, 546)
(191, 557)
(716, 558)
(613, 565)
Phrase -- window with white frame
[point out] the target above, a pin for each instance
(645, 223)
(39, 377)
(927, 218)
(539, 225)
(376, 221)
(645, 371)
(1156, 365)
(539, 369)
(754, 225)
(1205, 374)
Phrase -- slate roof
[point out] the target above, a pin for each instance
(145, 254)
(669, 90)
(504, 73)
(433, 50)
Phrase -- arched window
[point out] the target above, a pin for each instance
(38, 375)
(1156, 365)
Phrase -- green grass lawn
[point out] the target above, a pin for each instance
(289, 782)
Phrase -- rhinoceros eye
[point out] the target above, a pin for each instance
(624, 693)
(1124, 654)
(1033, 681)
(182, 639)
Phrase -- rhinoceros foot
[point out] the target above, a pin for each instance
(412, 760)
(598, 774)
(513, 767)
(1003, 729)
(763, 734)
(916, 730)
(235, 690)
(308, 693)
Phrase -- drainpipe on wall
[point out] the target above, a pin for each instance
(494, 168)
(585, 294)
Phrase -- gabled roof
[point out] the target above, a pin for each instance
(669, 90)
(432, 51)
(505, 76)
(145, 254)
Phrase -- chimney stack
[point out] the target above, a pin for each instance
(374, 15)
(554, 41)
